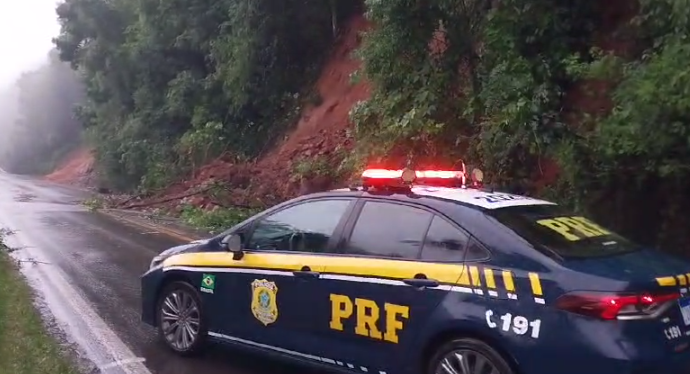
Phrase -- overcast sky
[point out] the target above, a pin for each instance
(26, 30)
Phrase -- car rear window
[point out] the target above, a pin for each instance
(567, 234)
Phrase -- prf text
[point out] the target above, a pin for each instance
(367, 315)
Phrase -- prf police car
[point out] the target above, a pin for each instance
(426, 272)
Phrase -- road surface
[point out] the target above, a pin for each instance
(86, 268)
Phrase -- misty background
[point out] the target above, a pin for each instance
(38, 92)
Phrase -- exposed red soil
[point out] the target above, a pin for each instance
(75, 169)
(321, 132)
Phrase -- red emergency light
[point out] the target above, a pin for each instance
(406, 177)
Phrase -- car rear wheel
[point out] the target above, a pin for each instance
(181, 323)
(467, 356)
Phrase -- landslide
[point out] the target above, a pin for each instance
(324, 131)
(76, 169)
(321, 136)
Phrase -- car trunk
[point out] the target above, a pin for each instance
(652, 277)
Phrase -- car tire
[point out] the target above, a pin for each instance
(181, 322)
(472, 352)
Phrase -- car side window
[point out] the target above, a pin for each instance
(389, 230)
(305, 227)
(444, 242)
(476, 251)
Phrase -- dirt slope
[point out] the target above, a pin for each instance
(320, 132)
(75, 169)
(323, 130)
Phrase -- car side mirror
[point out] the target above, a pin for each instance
(233, 243)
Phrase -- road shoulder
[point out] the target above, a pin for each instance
(156, 224)
(26, 347)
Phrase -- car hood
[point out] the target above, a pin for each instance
(189, 247)
(195, 246)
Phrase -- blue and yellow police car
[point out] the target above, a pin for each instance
(426, 272)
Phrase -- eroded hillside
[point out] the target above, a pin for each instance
(579, 102)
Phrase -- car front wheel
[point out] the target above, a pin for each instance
(180, 319)
(467, 356)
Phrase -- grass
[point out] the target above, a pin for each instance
(215, 221)
(25, 346)
(93, 203)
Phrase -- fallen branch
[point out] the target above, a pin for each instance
(167, 200)
(234, 205)
(126, 201)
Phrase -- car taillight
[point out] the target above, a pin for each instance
(613, 306)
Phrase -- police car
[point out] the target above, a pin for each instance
(426, 272)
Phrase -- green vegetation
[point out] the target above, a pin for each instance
(311, 167)
(217, 220)
(508, 105)
(25, 347)
(94, 203)
(503, 100)
(172, 84)
(583, 102)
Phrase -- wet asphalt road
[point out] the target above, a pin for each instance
(86, 268)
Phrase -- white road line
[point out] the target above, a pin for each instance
(113, 346)
(121, 363)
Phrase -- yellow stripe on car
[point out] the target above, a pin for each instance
(489, 277)
(537, 291)
(367, 267)
(474, 277)
(468, 278)
(666, 281)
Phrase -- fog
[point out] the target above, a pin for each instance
(26, 30)
(37, 91)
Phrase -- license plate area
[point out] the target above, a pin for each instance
(684, 304)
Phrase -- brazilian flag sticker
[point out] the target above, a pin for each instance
(208, 283)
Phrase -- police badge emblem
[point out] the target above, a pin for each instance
(264, 305)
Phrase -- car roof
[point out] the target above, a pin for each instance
(470, 197)
(474, 204)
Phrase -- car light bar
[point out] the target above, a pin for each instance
(406, 177)
(382, 174)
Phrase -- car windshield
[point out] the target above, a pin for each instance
(567, 234)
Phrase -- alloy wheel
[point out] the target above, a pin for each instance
(180, 320)
(464, 361)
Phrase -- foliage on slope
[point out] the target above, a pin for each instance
(536, 91)
(172, 85)
(491, 81)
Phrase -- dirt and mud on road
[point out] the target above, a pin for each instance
(86, 267)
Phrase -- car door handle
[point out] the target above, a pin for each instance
(306, 274)
(422, 282)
